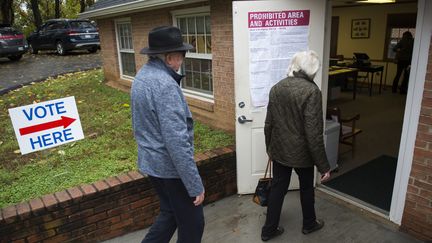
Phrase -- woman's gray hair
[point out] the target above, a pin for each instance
(305, 61)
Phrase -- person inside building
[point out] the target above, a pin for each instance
(403, 49)
(163, 130)
(294, 140)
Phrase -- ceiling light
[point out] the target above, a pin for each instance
(376, 1)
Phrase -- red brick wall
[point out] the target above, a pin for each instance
(417, 217)
(219, 114)
(109, 49)
(107, 208)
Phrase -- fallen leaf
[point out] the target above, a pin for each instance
(61, 152)
(92, 135)
(17, 151)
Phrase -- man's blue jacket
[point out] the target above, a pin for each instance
(163, 126)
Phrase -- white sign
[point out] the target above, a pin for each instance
(47, 124)
(274, 37)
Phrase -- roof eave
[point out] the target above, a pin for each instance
(133, 7)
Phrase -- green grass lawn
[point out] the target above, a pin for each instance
(107, 150)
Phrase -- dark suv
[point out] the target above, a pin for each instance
(12, 43)
(64, 35)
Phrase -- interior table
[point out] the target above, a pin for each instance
(342, 73)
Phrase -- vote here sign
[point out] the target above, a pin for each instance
(47, 124)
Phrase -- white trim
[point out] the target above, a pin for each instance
(121, 21)
(136, 6)
(412, 108)
(198, 95)
(127, 77)
(128, 51)
(199, 55)
(190, 11)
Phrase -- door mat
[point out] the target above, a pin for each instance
(371, 182)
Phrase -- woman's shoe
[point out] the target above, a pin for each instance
(319, 224)
(279, 230)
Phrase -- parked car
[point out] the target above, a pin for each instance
(64, 35)
(12, 43)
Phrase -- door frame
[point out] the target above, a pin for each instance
(411, 115)
(414, 99)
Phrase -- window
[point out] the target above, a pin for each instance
(81, 25)
(395, 37)
(196, 30)
(125, 49)
(50, 26)
(397, 24)
(56, 25)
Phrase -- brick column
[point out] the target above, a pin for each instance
(417, 216)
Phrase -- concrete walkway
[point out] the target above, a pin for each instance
(236, 219)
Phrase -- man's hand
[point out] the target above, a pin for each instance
(199, 199)
(325, 176)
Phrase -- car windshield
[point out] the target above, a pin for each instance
(81, 25)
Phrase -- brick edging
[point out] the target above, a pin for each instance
(108, 207)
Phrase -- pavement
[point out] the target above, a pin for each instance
(237, 219)
(36, 68)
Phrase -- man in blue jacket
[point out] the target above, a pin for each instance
(163, 129)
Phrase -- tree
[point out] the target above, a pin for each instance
(57, 9)
(84, 4)
(36, 13)
(29, 14)
(7, 12)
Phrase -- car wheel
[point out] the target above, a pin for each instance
(32, 50)
(15, 57)
(92, 50)
(60, 48)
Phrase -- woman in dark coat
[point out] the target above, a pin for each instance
(403, 49)
(294, 140)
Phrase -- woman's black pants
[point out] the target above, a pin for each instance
(279, 188)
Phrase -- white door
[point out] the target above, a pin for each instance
(266, 35)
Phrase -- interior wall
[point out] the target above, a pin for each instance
(374, 45)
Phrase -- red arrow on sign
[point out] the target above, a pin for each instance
(64, 121)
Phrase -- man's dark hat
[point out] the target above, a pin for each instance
(165, 39)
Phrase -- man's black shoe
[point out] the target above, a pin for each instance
(319, 224)
(279, 230)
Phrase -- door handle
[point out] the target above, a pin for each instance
(243, 119)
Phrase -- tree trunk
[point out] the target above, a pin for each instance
(57, 9)
(36, 13)
(89, 2)
(82, 5)
(7, 11)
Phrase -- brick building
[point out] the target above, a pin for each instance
(209, 86)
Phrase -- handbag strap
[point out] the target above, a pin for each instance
(269, 165)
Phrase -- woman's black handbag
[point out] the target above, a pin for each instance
(262, 190)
